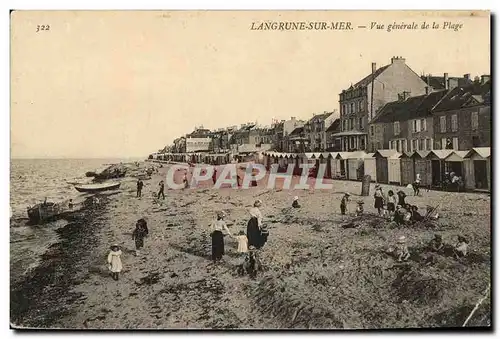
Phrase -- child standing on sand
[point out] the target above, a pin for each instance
(343, 204)
(140, 232)
(114, 261)
(242, 242)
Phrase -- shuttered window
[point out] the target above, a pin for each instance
(474, 121)
(396, 128)
(454, 123)
(442, 125)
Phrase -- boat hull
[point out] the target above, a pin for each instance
(89, 189)
(41, 213)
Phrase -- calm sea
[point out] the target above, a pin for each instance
(31, 180)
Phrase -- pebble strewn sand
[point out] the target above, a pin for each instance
(172, 284)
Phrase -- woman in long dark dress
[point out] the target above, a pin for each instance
(217, 227)
(254, 227)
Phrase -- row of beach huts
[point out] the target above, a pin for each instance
(392, 167)
(202, 158)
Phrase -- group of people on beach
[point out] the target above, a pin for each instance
(255, 238)
(114, 261)
(395, 208)
(392, 206)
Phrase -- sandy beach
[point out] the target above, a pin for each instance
(317, 274)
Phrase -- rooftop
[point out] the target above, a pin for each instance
(411, 108)
(470, 95)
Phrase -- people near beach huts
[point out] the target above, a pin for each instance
(114, 261)
(242, 242)
(214, 176)
(416, 185)
(295, 203)
(140, 185)
(379, 199)
(359, 207)
(461, 246)
(70, 204)
(436, 244)
(401, 198)
(161, 192)
(344, 204)
(256, 233)
(391, 202)
(140, 232)
(401, 251)
(185, 180)
(254, 179)
(217, 228)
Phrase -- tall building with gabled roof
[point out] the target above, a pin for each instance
(360, 102)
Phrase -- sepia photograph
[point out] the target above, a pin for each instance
(250, 170)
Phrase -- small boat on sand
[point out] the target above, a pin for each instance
(95, 188)
(43, 211)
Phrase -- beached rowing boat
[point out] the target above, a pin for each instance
(43, 212)
(94, 188)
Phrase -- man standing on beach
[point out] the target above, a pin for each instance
(140, 184)
(161, 193)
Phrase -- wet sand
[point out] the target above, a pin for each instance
(317, 273)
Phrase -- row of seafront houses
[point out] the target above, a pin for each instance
(383, 166)
(392, 167)
(392, 108)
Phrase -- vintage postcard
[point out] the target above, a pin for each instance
(250, 170)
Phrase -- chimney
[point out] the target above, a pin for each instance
(406, 95)
(452, 83)
(292, 118)
(427, 90)
(484, 79)
(445, 80)
(374, 67)
(467, 76)
(397, 59)
(428, 79)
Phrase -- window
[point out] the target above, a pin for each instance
(361, 124)
(414, 146)
(396, 128)
(414, 126)
(428, 144)
(405, 145)
(423, 124)
(372, 130)
(443, 143)
(455, 144)
(398, 146)
(352, 107)
(442, 125)
(474, 121)
(361, 106)
(351, 123)
(344, 108)
(454, 123)
(417, 128)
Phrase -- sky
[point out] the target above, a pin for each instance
(127, 83)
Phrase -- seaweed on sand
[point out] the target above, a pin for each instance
(279, 299)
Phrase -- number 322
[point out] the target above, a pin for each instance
(42, 28)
